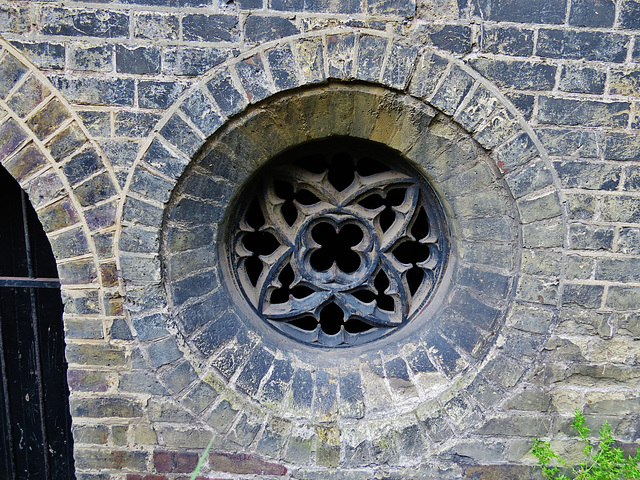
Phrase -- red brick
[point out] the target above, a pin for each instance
(243, 463)
(175, 462)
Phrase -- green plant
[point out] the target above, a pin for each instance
(606, 462)
(202, 459)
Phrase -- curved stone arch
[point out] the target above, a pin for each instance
(48, 150)
(436, 78)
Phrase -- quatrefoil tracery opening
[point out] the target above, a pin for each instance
(339, 243)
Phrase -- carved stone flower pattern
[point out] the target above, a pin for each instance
(336, 247)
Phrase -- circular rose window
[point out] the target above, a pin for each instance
(338, 242)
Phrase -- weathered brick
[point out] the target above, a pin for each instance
(507, 40)
(629, 241)
(371, 54)
(539, 235)
(528, 180)
(517, 74)
(405, 8)
(452, 91)
(28, 96)
(89, 57)
(105, 407)
(277, 385)
(97, 122)
(244, 464)
(75, 22)
(429, 69)
(618, 269)
(522, 11)
(625, 82)
(566, 142)
(592, 13)
(155, 26)
(153, 94)
(210, 28)
(199, 397)
(192, 61)
(476, 109)
(630, 14)
(588, 175)
(98, 459)
(582, 79)
(256, 368)
(577, 45)
(400, 65)
(591, 237)
(175, 462)
(226, 95)
(621, 209)
(254, 78)
(45, 55)
(96, 91)
(66, 141)
(138, 60)
(259, 28)
(15, 19)
(501, 125)
(46, 120)
(588, 296)
(282, 66)
(452, 38)
(163, 352)
(623, 298)
(560, 111)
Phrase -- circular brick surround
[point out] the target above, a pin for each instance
(224, 338)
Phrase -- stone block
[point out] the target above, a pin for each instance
(522, 11)
(472, 308)
(254, 371)
(210, 28)
(91, 58)
(77, 272)
(82, 166)
(497, 228)
(574, 143)
(326, 6)
(579, 267)
(245, 430)
(534, 177)
(138, 60)
(179, 377)
(444, 353)
(263, 28)
(587, 113)
(233, 355)
(66, 142)
(466, 335)
(226, 95)
(105, 406)
(404, 8)
(95, 190)
(541, 235)
(507, 40)
(28, 96)
(537, 290)
(15, 19)
(73, 22)
(164, 410)
(502, 125)
(202, 112)
(44, 55)
(592, 13)
(183, 437)
(522, 75)
(489, 283)
(454, 88)
(118, 92)
(163, 352)
(582, 80)
(629, 241)
(625, 82)
(620, 209)
(518, 425)
(71, 243)
(452, 38)
(155, 26)
(244, 464)
(629, 14)
(254, 79)
(157, 94)
(371, 54)
(275, 388)
(273, 437)
(179, 133)
(283, 67)
(588, 296)
(582, 45)
(11, 70)
(142, 213)
(618, 269)
(135, 124)
(199, 397)
(121, 460)
(500, 256)
(591, 237)
(302, 390)
(529, 318)
(540, 208)
(192, 61)
(90, 434)
(46, 121)
(340, 56)
(429, 69)
(83, 328)
(150, 327)
(504, 371)
(476, 109)
(588, 175)
(215, 333)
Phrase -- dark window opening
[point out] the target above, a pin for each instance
(35, 424)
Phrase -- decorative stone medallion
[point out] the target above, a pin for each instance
(339, 242)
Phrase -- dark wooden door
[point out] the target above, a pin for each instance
(35, 425)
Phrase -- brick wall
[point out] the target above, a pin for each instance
(109, 111)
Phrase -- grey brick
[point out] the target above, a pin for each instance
(155, 26)
(96, 91)
(452, 38)
(517, 74)
(621, 209)
(153, 94)
(618, 269)
(629, 241)
(228, 98)
(400, 65)
(340, 55)
(233, 355)
(560, 111)
(489, 283)
(45, 55)
(576, 143)
(283, 67)
(452, 91)
(85, 23)
(507, 40)
(516, 152)
(259, 28)
(429, 69)
(528, 180)
(404, 8)
(163, 352)
(15, 19)
(192, 61)
(625, 82)
(541, 235)
(326, 6)
(135, 124)
(579, 267)
(502, 125)
(591, 237)
(254, 78)
(276, 386)
(581, 206)
(576, 45)
(215, 333)
(522, 11)
(97, 122)
(592, 13)
(66, 142)
(210, 28)
(588, 175)
(622, 146)
(588, 296)
(371, 54)
(623, 298)
(537, 290)
(582, 79)
(257, 367)
(476, 109)
(94, 58)
(11, 70)
(180, 134)
(630, 14)
(138, 60)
